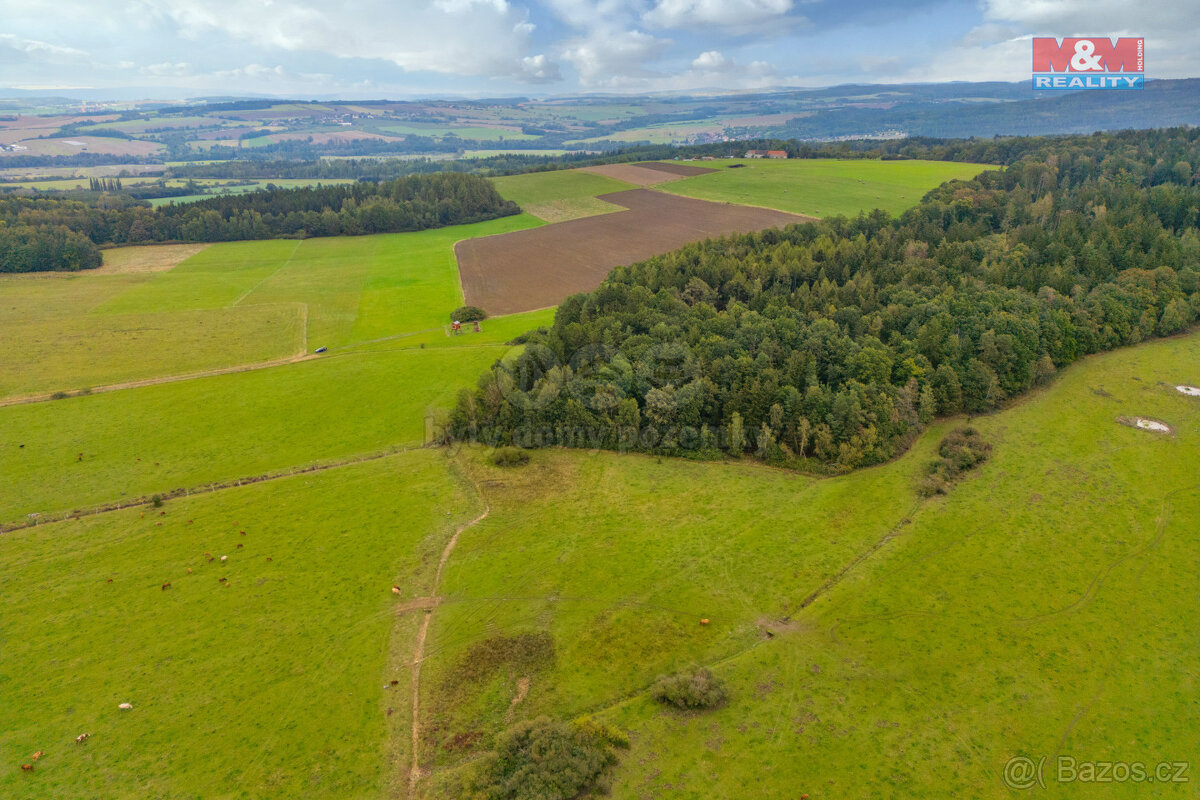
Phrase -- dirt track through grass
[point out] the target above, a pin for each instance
(414, 775)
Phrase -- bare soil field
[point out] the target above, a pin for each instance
(682, 170)
(79, 144)
(649, 174)
(147, 258)
(539, 267)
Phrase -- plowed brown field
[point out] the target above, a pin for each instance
(539, 267)
(650, 173)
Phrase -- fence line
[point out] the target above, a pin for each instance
(204, 488)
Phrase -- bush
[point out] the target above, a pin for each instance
(468, 314)
(690, 690)
(961, 450)
(59, 396)
(546, 760)
(156, 501)
(510, 457)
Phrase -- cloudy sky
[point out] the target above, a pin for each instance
(396, 48)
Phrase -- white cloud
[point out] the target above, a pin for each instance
(166, 69)
(458, 37)
(38, 49)
(735, 16)
(611, 59)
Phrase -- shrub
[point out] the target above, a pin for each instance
(690, 690)
(59, 396)
(961, 450)
(156, 501)
(546, 760)
(510, 457)
(468, 314)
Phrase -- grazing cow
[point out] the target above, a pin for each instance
(27, 767)
(166, 586)
(125, 706)
(395, 590)
(189, 570)
(110, 580)
(239, 547)
(243, 533)
(704, 621)
(38, 755)
(224, 559)
(268, 558)
(81, 738)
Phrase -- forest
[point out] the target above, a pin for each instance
(830, 345)
(54, 233)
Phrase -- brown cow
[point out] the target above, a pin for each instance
(27, 766)
(166, 586)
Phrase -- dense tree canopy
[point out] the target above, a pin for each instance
(55, 228)
(835, 342)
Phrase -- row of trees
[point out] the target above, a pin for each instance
(836, 342)
(41, 224)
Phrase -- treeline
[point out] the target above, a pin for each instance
(39, 224)
(27, 249)
(833, 343)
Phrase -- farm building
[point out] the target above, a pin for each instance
(766, 154)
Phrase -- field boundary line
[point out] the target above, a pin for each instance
(414, 774)
(206, 488)
(138, 384)
(266, 278)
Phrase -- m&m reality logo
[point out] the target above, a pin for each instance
(1088, 63)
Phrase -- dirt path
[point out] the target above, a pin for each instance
(207, 488)
(208, 373)
(414, 774)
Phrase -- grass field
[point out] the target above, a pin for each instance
(461, 131)
(874, 643)
(823, 187)
(1044, 608)
(269, 685)
(560, 195)
(231, 304)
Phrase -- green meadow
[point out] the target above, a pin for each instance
(874, 643)
(560, 195)
(61, 455)
(231, 304)
(1045, 608)
(822, 187)
(268, 684)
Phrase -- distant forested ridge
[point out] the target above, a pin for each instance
(52, 233)
(832, 344)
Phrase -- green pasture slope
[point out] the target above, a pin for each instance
(268, 685)
(231, 304)
(822, 187)
(560, 195)
(1046, 607)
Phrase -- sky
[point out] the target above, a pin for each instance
(405, 48)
